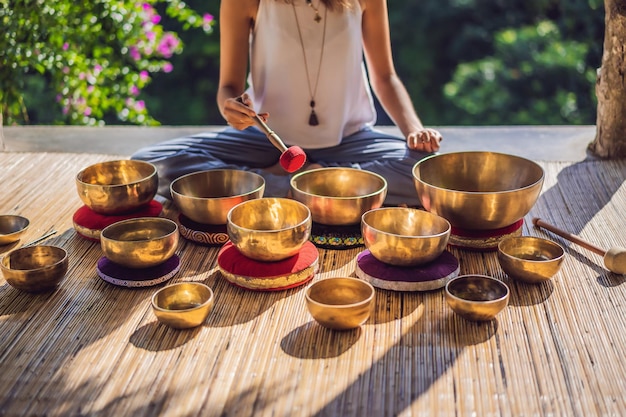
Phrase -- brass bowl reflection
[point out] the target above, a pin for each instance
(477, 297)
(183, 305)
(12, 227)
(341, 303)
(339, 196)
(478, 190)
(404, 236)
(269, 229)
(35, 268)
(207, 196)
(140, 242)
(117, 187)
(530, 259)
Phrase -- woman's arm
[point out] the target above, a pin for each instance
(386, 84)
(236, 22)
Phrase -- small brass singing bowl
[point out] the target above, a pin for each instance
(477, 297)
(35, 268)
(478, 190)
(404, 236)
(140, 242)
(117, 187)
(183, 305)
(12, 227)
(530, 259)
(339, 196)
(269, 229)
(207, 196)
(341, 303)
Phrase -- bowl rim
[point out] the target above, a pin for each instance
(487, 302)
(59, 262)
(293, 180)
(370, 297)
(180, 284)
(190, 197)
(15, 216)
(229, 221)
(531, 261)
(436, 235)
(165, 220)
(516, 190)
(88, 184)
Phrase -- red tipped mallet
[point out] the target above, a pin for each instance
(292, 158)
(614, 258)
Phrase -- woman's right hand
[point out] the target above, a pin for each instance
(239, 113)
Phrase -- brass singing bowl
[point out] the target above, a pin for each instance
(478, 190)
(530, 259)
(339, 196)
(12, 227)
(140, 242)
(340, 303)
(35, 268)
(207, 196)
(477, 297)
(404, 236)
(117, 187)
(269, 229)
(183, 305)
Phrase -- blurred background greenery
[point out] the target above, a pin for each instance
(464, 62)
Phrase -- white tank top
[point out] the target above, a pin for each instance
(278, 84)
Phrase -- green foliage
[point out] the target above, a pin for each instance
(96, 56)
(533, 76)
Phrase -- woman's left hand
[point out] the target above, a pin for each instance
(425, 140)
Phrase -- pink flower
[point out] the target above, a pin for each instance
(156, 19)
(140, 105)
(134, 53)
(168, 45)
(144, 76)
(87, 111)
(66, 46)
(168, 67)
(134, 90)
(97, 69)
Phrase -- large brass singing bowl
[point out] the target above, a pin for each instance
(478, 190)
(12, 227)
(207, 196)
(269, 229)
(404, 236)
(183, 305)
(140, 242)
(117, 187)
(339, 196)
(341, 303)
(35, 268)
(530, 259)
(477, 297)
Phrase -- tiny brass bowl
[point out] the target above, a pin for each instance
(341, 303)
(530, 259)
(339, 196)
(140, 242)
(269, 229)
(12, 227)
(404, 236)
(207, 196)
(478, 190)
(183, 305)
(35, 268)
(117, 187)
(477, 297)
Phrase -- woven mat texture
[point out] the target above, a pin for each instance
(91, 348)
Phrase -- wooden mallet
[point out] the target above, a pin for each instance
(614, 258)
(292, 158)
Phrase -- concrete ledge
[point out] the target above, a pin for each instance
(541, 143)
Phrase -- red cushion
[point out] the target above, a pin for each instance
(89, 224)
(268, 276)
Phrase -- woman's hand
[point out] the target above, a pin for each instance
(425, 140)
(239, 113)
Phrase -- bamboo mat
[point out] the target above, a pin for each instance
(91, 348)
